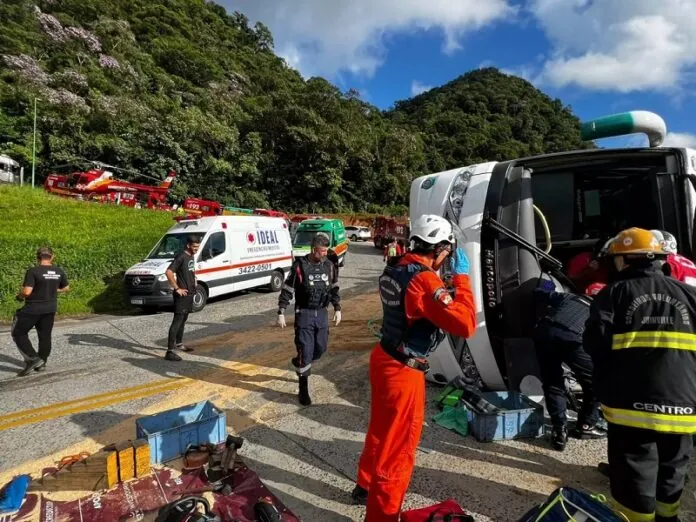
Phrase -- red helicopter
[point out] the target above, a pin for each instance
(99, 184)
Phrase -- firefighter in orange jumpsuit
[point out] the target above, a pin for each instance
(417, 308)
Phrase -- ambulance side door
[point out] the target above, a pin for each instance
(213, 263)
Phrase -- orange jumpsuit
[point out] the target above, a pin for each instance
(398, 394)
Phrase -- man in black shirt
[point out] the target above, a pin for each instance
(40, 290)
(181, 275)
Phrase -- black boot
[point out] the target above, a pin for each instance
(584, 431)
(303, 396)
(359, 495)
(559, 437)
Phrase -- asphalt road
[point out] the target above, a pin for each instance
(98, 355)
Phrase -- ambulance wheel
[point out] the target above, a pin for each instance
(200, 298)
(276, 281)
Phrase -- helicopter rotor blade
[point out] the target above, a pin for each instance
(102, 165)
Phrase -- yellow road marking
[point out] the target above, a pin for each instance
(53, 411)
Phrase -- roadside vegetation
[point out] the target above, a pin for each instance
(94, 243)
(152, 85)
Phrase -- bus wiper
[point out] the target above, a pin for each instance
(498, 227)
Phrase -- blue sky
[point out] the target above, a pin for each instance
(598, 56)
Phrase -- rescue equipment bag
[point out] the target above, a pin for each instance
(566, 504)
(447, 511)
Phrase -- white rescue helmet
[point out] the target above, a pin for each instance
(432, 229)
(667, 241)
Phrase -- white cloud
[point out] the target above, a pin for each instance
(618, 45)
(526, 72)
(680, 139)
(322, 37)
(419, 88)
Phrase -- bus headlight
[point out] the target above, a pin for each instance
(456, 195)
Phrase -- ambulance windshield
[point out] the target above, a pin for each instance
(169, 246)
(304, 238)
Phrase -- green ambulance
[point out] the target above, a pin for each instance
(309, 228)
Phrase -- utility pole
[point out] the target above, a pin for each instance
(33, 150)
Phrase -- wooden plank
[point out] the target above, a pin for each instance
(126, 461)
(96, 472)
(141, 447)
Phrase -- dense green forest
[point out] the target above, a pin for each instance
(153, 84)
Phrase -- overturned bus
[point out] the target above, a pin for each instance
(520, 221)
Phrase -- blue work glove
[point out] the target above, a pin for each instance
(460, 263)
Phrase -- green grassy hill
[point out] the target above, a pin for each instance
(94, 244)
(157, 84)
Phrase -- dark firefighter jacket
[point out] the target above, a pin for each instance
(314, 285)
(641, 335)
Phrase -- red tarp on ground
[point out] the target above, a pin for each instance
(129, 501)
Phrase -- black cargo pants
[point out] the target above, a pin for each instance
(553, 348)
(647, 471)
(182, 308)
(21, 326)
(311, 338)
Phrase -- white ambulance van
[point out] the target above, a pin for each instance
(236, 253)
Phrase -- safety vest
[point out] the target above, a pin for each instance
(316, 283)
(416, 339)
(648, 378)
(391, 251)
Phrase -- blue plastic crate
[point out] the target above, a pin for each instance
(520, 418)
(170, 432)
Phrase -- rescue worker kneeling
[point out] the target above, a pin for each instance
(416, 306)
(641, 335)
(558, 340)
(313, 280)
